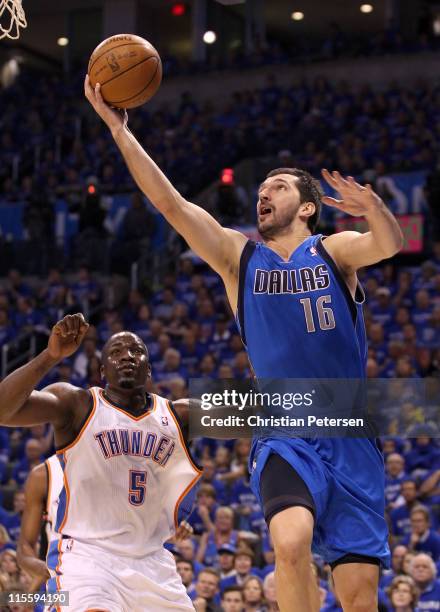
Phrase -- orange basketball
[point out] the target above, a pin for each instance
(128, 68)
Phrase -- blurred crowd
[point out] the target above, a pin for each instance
(61, 146)
(189, 330)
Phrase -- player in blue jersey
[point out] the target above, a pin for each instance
(299, 309)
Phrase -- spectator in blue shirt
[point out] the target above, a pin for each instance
(395, 475)
(185, 570)
(202, 517)
(397, 557)
(403, 595)
(85, 289)
(424, 456)
(242, 566)
(187, 551)
(253, 594)
(226, 560)
(424, 572)
(209, 476)
(33, 456)
(206, 592)
(422, 538)
(243, 501)
(430, 488)
(400, 516)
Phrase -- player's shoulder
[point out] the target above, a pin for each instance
(235, 238)
(66, 391)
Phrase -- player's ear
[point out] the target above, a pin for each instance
(307, 209)
(101, 370)
(148, 370)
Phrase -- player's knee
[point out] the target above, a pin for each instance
(293, 550)
(360, 601)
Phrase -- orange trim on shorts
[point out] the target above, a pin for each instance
(138, 418)
(83, 428)
(193, 465)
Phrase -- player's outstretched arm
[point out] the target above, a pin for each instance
(353, 250)
(219, 247)
(35, 494)
(20, 405)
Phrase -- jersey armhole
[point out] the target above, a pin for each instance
(183, 438)
(246, 254)
(359, 293)
(91, 409)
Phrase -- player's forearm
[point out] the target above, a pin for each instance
(28, 561)
(385, 230)
(17, 386)
(148, 176)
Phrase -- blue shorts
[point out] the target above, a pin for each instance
(346, 480)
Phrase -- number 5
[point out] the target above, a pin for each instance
(136, 495)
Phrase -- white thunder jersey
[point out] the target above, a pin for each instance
(54, 487)
(124, 478)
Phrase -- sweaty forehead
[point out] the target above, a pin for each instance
(124, 339)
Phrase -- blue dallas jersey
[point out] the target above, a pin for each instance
(298, 319)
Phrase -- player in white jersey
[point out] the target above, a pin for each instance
(126, 470)
(42, 490)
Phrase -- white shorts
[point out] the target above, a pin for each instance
(99, 580)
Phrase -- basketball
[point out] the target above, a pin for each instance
(128, 68)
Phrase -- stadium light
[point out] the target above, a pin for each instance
(178, 9)
(366, 8)
(63, 41)
(297, 15)
(209, 37)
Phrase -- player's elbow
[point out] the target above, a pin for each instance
(394, 247)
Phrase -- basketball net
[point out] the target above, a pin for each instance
(12, 18)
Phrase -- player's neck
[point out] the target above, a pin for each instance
(132, 400)
(286, 243)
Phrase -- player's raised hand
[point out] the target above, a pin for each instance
(356, 199)
(114, 118)
(66, 336)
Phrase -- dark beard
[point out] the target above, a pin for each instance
(278, 227)
(127, 383)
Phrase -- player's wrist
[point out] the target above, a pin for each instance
(118, 131)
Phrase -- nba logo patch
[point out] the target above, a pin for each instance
(164, 420)
(313, 250)
(69, 544)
